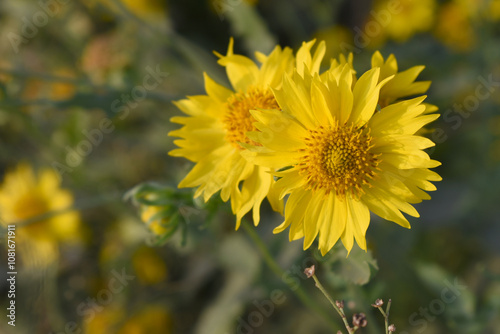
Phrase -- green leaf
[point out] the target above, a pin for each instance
(355, 268)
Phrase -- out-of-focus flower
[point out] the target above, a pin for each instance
(106, 321)
(404, 19)
(24, 195)
(149, 266)
(106, 55)
(151, 319)
(148, 10)
(339, 158)
(149, 216)
(218, 123)
(494, 10)
(454, 25)
(63, 90)
(338, 39)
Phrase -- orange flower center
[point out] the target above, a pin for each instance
(338, 158)
(238, 120)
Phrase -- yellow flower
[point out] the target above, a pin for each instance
(218, 122)
(344, 158)
(153, 319)
(402, 84)
(149, 266)
(106, 321)
(454, 25)
(113, 318)
(494, 10)
(155, 225)
(24, 195)
(339, 38)
(406, 19)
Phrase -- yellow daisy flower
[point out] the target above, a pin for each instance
(344, 159)
(24, 195)
(218, 123)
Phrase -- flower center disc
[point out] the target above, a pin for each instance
(338, 159)
(238, 120)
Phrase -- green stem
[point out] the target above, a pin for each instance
(340, 311)
(298, 291)
(386, 315)
(90, 203)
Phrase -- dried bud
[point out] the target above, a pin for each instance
(391, 328)
(359, 320)
(310, 271)
(379, 302)
(339, 303)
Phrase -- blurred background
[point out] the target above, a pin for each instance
(104, 242)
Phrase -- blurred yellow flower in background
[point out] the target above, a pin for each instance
(23, 196)
(218, 123)
(106, 321)
(455, 25)
(152, 319)
(149, 217)
(346, 158)
(149, 266)
(494, 10)
(338, 39)
(149, 10)
(406, 18)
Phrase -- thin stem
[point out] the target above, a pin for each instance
(339, 310)
(298, 291)
(386, 315)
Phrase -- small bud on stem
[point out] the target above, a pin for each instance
(359, 320)
(310, 271)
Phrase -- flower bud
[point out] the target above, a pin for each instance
(310, 271)
(379, 302)
(359, 320)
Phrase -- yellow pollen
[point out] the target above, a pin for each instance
(238, 120)
(338, 158)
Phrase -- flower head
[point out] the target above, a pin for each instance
(213, 134)
(25, 195)
(339, 158)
